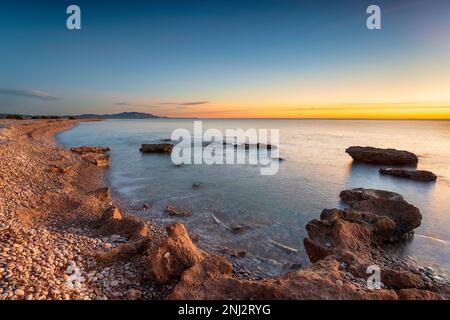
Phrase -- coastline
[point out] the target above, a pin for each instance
(50, 201)
(52, 219)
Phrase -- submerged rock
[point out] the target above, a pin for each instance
(197, 185)
(419, 175)
(157, 148)
(382, 156)
(174, 211)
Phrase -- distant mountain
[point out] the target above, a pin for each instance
(123, 115)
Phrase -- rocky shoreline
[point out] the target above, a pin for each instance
(63, 236)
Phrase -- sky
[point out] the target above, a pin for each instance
(227, 59)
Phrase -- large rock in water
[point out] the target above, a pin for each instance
(385, 204)
(419, 175)
(157, 148)
(353, 235)
(382, 156)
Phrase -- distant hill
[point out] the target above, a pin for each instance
(123, 115)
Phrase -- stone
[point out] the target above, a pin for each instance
(418, 175)
(382, 156)
(384, 204)
(19, 292)
(179, 212)
(114, 283)
(197, 185)
(84, 150)
(156, 148)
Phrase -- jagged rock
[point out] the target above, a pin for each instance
(352, 235)
(341, 238)
(100, 160)
(381, 156)
(419, 175)
(112, 223)
(401, 279)
(384, 203)
(178, 254)
(323, 280)
(415, 294)
(157, 148)
(60, 169)
(205, 276)
(84, 150)
(173, 211)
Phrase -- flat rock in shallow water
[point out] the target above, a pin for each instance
(419, 175)
(382, 156)
(84, 150)
(157, 148)
(178, 212)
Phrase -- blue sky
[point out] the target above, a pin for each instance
(188, 57)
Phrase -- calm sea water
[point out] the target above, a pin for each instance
(315, 170)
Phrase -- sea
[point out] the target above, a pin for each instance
(236, 209)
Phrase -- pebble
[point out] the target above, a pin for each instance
(19, 292)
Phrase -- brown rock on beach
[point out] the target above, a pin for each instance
(112, 223)
(382, 156)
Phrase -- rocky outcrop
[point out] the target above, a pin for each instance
(84, 150)
(178, 254)
(379, 203)
(112, 222)
(157, 148)
(382, 156)
(204, 276)
(94, 155)
(419, 175)
(100, 160)
(341, 245)
(415, 294)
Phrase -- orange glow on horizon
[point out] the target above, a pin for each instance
(366, 111)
